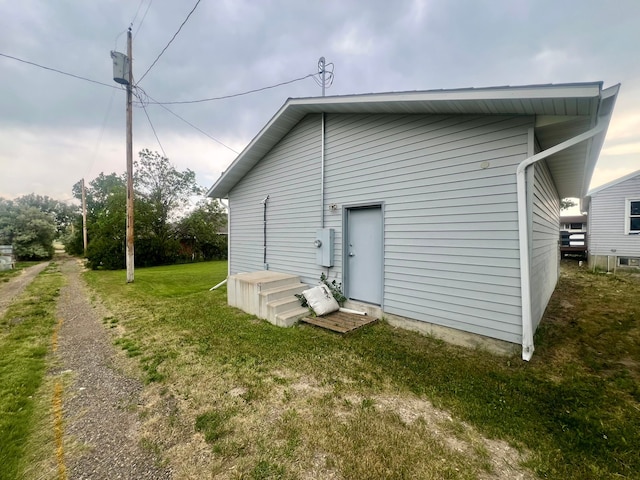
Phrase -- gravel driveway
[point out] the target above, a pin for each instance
(101, 403)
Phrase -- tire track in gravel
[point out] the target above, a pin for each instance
(100, 402)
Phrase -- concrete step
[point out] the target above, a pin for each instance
(290, 317)
(282, 292)
(281, 305)
(279, 293)
(243, 289)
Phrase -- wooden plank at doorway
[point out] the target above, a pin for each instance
(341, 322)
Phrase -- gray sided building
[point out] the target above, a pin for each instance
(439, 207)
(614, 223)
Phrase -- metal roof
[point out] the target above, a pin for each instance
(562, 111)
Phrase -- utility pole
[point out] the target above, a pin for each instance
(84, 219)
(123, 74)
(130, 254)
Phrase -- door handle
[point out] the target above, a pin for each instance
(351, 254)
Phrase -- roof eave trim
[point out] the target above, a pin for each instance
(603, 116)
(301, 106)
(584, 90)
(225, 176)
(613, 183)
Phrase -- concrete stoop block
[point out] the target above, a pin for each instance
(268, 295)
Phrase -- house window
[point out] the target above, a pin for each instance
(632, 217)
(629, 262)
(576, 226)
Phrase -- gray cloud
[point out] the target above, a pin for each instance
(64, 128)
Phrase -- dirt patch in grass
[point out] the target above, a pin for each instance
(297, 426)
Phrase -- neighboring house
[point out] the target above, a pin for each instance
(440, 208)
(573, 235)
(614, 223)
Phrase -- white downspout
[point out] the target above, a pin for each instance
(228, 207)
(521, 187)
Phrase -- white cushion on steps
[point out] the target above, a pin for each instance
(321, 300)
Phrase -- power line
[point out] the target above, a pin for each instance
(59, 71)
(236, 94)
(137, 12)
(142, 21)
(200, 130)
(154, 130)
(115, 43)
(99, 141)
(172, 38)
(186, 121)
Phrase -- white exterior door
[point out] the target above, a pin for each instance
(364, 254)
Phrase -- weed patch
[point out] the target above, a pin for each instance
(129, 346)
(213, 424)
(266, 469)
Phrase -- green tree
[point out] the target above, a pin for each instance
(33, 234)
(202, 232)
(62, 213)
(95, 196)
(567, 203)
(28, 228)
(105, 198)
(163, 193)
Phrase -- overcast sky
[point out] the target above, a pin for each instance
(56, 129)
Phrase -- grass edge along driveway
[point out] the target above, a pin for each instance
(25, 340)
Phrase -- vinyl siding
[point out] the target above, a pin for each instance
(544, 235)
(606, 224)
(290, 175)
(451, 252)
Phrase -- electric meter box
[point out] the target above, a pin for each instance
(325, 238)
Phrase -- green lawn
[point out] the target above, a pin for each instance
(25, 340)
(281, 403)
